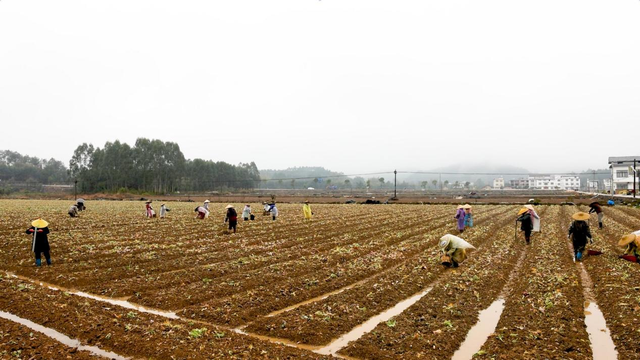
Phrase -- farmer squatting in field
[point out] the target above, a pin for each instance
(40, 243)
(579, 232)
(453, 250)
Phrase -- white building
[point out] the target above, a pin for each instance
(622, 172)
(498, 183)
(554, 182)
(593, 185)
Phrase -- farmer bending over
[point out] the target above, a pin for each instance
(453, 250)
(632, 243)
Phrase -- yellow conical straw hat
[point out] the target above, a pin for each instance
(522, 211)
(582, 216)
(627, 239)
(39, 223)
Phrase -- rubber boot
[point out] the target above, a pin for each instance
(48, 261)
(600, 226)
(578, 256)
(38, 262)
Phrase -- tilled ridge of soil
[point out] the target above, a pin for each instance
(544, 313)
(616, 282)
(19, 342)
(436, 325)
(267, 297)
(131, 333)
(320, 322)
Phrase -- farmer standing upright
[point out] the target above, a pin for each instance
(468, 217)
(40, 242)
(246, 212)
(306, 210)
(579, 232)
(460, 214)
(149, 209)
(596, 208)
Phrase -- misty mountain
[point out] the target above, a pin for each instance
(471, 173)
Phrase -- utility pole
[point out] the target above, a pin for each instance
(75, 190)
(395, 184)
(634, 178)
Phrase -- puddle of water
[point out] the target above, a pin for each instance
(486, 325)
(64, 339)
(599, 334)
(128, 305)
(357, 332)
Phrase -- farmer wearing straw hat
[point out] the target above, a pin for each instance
(468, 217)
(306, 210)
(232, 217)
(460, 214)
(453, 250)
(526, 224)
(40, 243)
(535, 219)
(632, 250)
(596, 208)
(206, 205)
(579, 232)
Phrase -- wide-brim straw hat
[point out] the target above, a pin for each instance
(39, 223)
(522, 211)
(466, 206)
(530, 207)
(455, 241)
(581, 216)
(229, 206)
(627, 239)
(444, 241)
(207, 201)
(460, 206)
(306, 201)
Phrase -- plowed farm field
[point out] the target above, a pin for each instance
(355, 282)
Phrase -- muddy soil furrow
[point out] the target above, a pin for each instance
(544, 313)
(130, 333)
(435, 326)
(19, 342)
(324, 320)
(346, 255)
(245, 307)
(616, 281)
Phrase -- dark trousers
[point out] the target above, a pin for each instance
(233, 224)
(46, 256)
(527, 236)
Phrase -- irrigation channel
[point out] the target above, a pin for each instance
(64, 339)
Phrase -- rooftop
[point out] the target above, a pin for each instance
(616, 159)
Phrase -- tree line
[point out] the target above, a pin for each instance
(154, 166)
(147, 166)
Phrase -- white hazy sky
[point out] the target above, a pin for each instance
(351, 85)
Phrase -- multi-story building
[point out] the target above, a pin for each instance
(498, 183)
(622, 168)
(547, 182)
(522, 183)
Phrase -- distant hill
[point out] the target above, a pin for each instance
(305, 177)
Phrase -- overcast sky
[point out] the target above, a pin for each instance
(351, 85)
